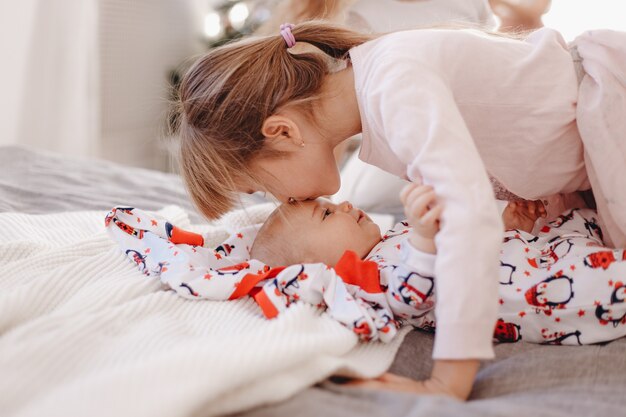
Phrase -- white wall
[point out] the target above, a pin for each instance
(140, 42)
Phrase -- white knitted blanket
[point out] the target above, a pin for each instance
(84, 333)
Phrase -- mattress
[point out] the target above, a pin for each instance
(524, 379)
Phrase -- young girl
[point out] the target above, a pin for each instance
(444, 106)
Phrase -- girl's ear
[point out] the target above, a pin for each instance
(281, 130)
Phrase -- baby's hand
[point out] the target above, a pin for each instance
(522, 215)
(422, 213)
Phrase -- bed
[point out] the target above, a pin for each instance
(524, 379)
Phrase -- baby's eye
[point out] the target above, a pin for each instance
(327, 212)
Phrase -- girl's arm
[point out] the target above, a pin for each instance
(417, 114)
(412, 107)
(453, 378)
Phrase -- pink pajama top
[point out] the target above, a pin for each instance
(453, 107)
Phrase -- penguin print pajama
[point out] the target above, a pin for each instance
(558, 287)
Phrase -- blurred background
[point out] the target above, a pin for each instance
(93, 77)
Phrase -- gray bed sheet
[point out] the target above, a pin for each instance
(523, 380)
(35, 181)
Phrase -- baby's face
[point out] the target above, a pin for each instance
(324, 230)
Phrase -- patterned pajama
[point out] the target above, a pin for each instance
(560, 287)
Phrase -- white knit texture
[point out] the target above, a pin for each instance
(84, 333)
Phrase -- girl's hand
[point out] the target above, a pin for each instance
(393, 382)
(422, 213)
(452, 378)
(522, 215)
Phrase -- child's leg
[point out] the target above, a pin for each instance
(561, 289)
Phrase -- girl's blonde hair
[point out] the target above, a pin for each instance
(227, 94)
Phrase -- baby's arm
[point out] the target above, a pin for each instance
(422, 213)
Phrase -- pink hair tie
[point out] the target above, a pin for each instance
(285, 32)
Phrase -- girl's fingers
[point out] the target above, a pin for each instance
(389, 377)
(392, 382)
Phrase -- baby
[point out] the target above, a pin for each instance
(558, 286)
(550, 288)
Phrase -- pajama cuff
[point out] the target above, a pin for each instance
(417, 260)
(464, 340)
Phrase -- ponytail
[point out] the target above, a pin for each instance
(335, 41)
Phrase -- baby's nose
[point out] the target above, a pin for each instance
(346, 206)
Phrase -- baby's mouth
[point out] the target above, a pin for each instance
(361, 216)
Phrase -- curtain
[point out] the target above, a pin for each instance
(91, 77)
(53, 67)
